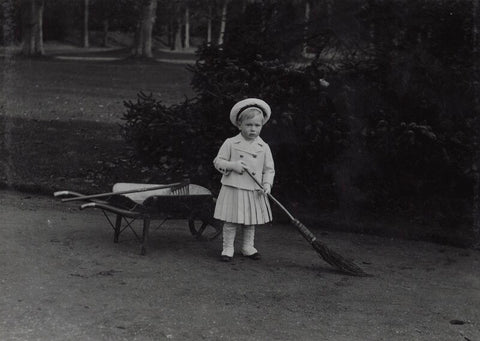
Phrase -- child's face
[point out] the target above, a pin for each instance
(251, 127)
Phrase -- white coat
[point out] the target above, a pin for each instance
(256, 155)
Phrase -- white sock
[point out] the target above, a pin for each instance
(229, 231)
(248, 240)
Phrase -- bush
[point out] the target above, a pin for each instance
(182, 140)
(395, 131)
(417, 124)
(169, 138)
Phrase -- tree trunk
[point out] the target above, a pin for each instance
(187, 28)
(209, 24)
(39, 33)
(223, 22)
(106, 25)
(329, 11)
(177, 44)
(8, 7)
(143, 34)
(169, 34)
(32, 27)
(85, 24)
(305, 33)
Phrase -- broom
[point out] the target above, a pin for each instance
(329, 256)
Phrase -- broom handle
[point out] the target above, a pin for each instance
(328, 255)
(270, 195)
(100, 195)
(306, 233)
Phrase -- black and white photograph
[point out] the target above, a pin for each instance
(244, 170)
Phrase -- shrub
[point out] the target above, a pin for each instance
(170, 138)
(182, 140)
(395, 131)
(418, 109)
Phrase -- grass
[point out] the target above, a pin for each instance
(60, 120)
(44, 156)
(55, 89)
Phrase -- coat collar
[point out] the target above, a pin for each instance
(254, 146)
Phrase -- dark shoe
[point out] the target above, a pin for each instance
(255, 256)
(224, 258)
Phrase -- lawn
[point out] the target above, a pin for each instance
(86, 90)
(61, 120)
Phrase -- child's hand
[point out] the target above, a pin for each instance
(239, 166)
(267, 188)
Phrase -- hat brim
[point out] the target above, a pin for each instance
(239, 107)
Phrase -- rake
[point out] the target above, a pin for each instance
(173, 186)
(328, 255)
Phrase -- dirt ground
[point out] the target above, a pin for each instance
(63, 278)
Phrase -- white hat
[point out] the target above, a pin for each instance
(239, 107)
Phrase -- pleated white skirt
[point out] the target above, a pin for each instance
(235, 205)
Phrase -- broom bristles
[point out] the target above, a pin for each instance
(329, 256)
(338, 261)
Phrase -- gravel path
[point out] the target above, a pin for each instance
(64, 279)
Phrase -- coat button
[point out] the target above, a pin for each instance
(253, 173)
(241, 155)
(254, 155)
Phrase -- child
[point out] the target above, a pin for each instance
(240, 201)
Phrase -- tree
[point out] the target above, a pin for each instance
(206, 11)
(8, 29)
(183, 10)
(307, 19)
(32, 27)
(143, 34)
(85, 24)
(112, 14)
(177, 43)
(209, 23)
(223, 22)
(106, 26)
(187, 27)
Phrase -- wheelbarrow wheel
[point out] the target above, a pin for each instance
(198, 224)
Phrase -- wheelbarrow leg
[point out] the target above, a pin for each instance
(146, 227)
(118, 226)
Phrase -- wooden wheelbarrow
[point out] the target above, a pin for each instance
(129, 202)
